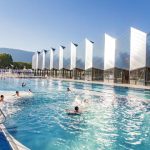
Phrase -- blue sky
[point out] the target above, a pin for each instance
(41, 24)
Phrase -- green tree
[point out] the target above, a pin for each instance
(22, 65)
(5, 60)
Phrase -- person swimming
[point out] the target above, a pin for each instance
(75, 112)
(23, 84)
(76, 109)
(30, 90)
(2, 98)
(17, 94)
(68, 89)
(85, 101)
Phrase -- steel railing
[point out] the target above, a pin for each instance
(1, 113)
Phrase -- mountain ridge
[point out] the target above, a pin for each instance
(18, 55)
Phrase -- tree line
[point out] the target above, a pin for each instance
(6, 61)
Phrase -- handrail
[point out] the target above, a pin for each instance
(3, 116)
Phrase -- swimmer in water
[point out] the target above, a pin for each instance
(68, 89)
(75, 112)
(86, 101)
(23, 84)
(76, 109)
(17, 94)
(30, 91)
(2, 98)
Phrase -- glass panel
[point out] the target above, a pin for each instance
(137, 76)
(88, 54)
(80, 56)
(41, 60)
(47, 60)
(109, 52)
(109, 75)
(35, 60)
(73, 56)
(66, 58)
(148, 51)
(98, 54)
(137, 49)
(122, 59)
(147, 76)
(56, 59)
(51, 58)
(88, 74)
(61, 49)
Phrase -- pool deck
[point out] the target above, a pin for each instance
(104, 83)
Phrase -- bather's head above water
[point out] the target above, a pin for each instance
(74, 112)
(68, 89)
(30, 90)
(76, 109)
(23, 84)
(2, 98)
(17, 93)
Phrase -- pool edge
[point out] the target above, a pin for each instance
(14, 144)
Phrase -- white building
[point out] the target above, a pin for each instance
(41, 60)
(73, 55)
(35, 58)
(88, 54)
(47, 59)
(138, 49)
(109, 52)
(61, 55)
(52, 58)
(91, 72)
(112, 73)
(139, 57)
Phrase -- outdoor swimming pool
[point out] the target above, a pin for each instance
(114, 118)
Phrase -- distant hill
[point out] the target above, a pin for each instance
(18, 55)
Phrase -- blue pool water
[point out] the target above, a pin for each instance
(113, 119)
(4, 145)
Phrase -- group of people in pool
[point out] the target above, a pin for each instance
(76, 110)
(17, 93)
(2, 96)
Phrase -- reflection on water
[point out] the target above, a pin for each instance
(113, 118)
